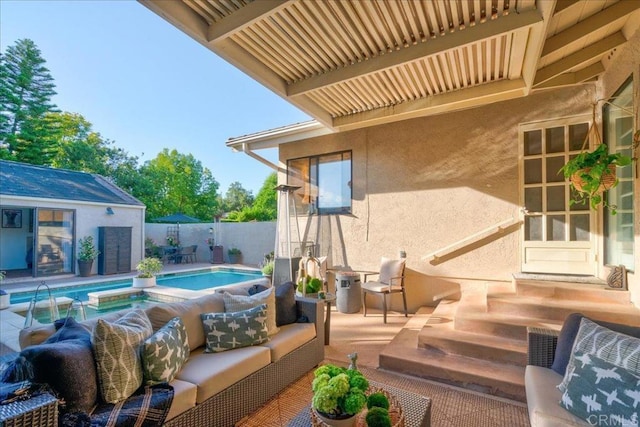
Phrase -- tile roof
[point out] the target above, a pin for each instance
(26, 180)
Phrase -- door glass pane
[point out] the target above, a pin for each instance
(55, 242)
(578, 206)
(555, 228)
(533, 228)
(533, 199)
(533, 171)
(618, 135)
(555, 198)
(577, 136)
(533, 142)
(579, 228)
(555, 140)
(553, 169)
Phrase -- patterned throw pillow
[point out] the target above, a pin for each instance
(240, 302)
(164, 352)
(225, 331)
(602, 393)
(613, 347)
(117, 351)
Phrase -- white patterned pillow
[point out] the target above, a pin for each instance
(240, 302)
(612, 347)
(226, 331)
(116, 346)
(164, 352)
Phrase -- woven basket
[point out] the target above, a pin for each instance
(608, 179)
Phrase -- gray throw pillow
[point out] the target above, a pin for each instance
(164, 352)
(602, 393)
(117, 351)
(226, 331)
(286, 309)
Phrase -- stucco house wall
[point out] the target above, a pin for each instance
(423, 184)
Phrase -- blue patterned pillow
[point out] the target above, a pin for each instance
(225, 331)
(602, 393)
(164, 352)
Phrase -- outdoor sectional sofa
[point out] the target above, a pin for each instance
(594, 346)
(219, 389)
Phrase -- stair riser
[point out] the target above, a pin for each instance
(572, 294)
(552, 313)
(424, 369)
(462, 348)
(490, 327)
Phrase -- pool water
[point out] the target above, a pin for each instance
(195, 281)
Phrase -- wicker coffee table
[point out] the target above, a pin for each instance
(416, 408)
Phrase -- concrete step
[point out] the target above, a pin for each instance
(558, 309)
(404, 356)
(571, 291)
(445, 339)
(507, 326)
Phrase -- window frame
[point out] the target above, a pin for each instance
(309, 196)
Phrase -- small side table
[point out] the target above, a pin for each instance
(328, 300)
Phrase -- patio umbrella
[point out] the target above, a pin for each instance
(177, 218)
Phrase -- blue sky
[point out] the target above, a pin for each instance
(145, 85)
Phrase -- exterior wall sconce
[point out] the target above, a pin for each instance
(110, 211)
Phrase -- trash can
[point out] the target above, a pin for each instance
(348, 290)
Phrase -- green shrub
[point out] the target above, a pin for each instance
(378, 417)
(378, 400)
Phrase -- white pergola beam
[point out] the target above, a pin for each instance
(504, 24)
(589, 26)
(582, 56)
(244, 17)
(577, 77)
(452, 101)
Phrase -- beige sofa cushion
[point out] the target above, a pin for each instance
(289, 338)
(184, 397)
(543, 399)
(213, 372)
(189, 311)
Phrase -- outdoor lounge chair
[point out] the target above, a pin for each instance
(188, 254)
(390, 280)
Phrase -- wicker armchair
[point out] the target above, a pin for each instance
(541, 345)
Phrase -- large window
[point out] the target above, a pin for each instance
(324, 181)
(618, 135)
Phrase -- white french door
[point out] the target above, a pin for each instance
(557, 237)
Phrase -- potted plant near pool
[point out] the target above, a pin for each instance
(235, 255)
(147, 270)
(86, 254)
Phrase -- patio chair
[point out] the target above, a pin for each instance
(188, 254)
(390, 281)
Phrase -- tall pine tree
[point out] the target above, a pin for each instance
(26, 89)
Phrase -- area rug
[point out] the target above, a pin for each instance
(451, 406)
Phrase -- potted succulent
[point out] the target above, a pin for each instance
(147, 270)
(4, 296)
(267, 269)
(235, 255)
(592, 173)
(86, 254)
(338, 394)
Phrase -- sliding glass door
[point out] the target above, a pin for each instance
(54, 244)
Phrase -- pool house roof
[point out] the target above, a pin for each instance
(24, 180)
(353, 64)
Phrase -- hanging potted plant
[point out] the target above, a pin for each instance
(147, 270)
(86, 255)
(592, 173)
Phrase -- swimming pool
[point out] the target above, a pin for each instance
(195, 280)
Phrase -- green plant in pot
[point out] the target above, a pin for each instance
(147, 268)
(267, 269)
(234, 255)
(592, 173)
(87, 252)
(338, 393)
